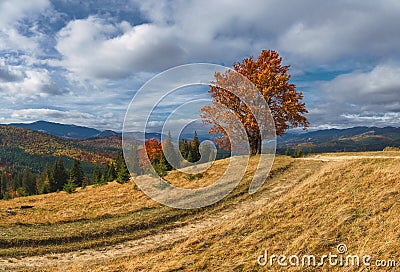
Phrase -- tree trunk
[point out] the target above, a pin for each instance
(255, 145)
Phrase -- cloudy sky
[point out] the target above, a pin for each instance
(81, 62)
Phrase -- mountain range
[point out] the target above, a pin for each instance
(36, 143)
(65, 131)
(337, 140)
(21, 147)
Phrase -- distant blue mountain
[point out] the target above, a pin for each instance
(329, 140)
(77, 132)
(349, 139)
(62, 130)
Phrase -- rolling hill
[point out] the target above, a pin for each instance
(78, 132)
(22, 148)
(308, 206)
(61, 130)
(337, 140)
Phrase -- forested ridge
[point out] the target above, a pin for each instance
(33, 162)
(34, 142)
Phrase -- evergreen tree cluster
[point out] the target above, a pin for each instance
(190, 150)
(165, 156)
(56, 178)
(298, 152)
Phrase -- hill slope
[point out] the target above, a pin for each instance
(61, 130)
(338, 140)
(305, 207)
(22, 147)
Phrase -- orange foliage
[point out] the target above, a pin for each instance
(154, 151)
(272, 82)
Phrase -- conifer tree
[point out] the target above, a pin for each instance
(112, 173)
(295, 153)
(300, 152)
(194, 149)
(184, 148)
(29, 182)
(17, 181)
(161, 166)
(45, 185)
(135, 160)
(170, 152)
(59, 177)
(96, 175)
(104, 176)
(123, 175)
(46, 178)
(69, 187)
(189, 157)
(76, 175)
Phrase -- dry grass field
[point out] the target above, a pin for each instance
(306, 206)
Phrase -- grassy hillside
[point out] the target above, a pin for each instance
(307, 206)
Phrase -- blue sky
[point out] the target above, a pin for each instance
(81, 62)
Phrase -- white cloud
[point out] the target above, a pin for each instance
(23, 83)
(343, 29)
(95, 48)
(305, 33)
(30, 114)
(8, 74)
(102, 57)
(63, 116)
(379, 87)
(13, 10)
(11, 13)
(360, 98)
(13, 40)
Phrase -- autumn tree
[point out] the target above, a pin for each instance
(271, 78)
(153, 151)
(3, 184)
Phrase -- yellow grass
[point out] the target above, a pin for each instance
(88, 203)
(305, 207)
(355, 203)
